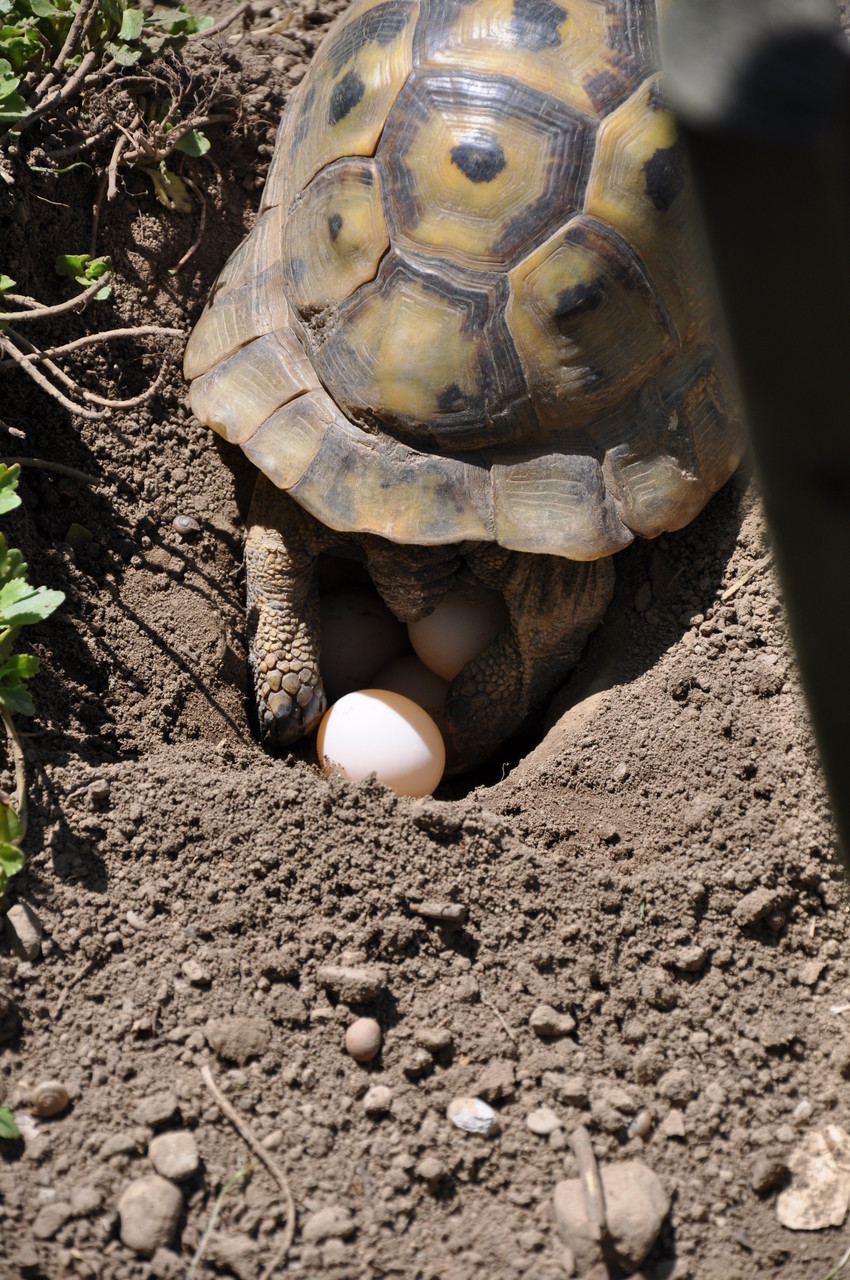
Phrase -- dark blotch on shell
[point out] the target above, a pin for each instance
(534, 23)
(334, 225)
(480, 160)
(345, 96)
(664, 173)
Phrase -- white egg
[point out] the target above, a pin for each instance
(461, 626)
(409, 676)
(375, 731)
(359, 635)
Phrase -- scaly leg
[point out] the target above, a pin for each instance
(283, 614)
(553, 605)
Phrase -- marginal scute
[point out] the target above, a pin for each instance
(479, 168)
(581, 52)
(671, 447)
(425, 355)
(288, 441)
(234, 316)
(361, 483)
(240, 393)
(638, 184)
(353, 82)
(335, 236)
(587, 323)
(556, 504)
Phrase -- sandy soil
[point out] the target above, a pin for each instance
(653, 859)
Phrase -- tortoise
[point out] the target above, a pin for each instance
(469, 335)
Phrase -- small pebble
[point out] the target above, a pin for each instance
(473, 1115)
(452, 914)
(673, 1125)
(353, 985)
(542, 1121)
(156, 1109)
(678, 1085)
(546, 1021)
(767, 1173)
(636, 1205)
(802, 1112)
(238, 1038)
(149, 1210)
(333, 1221)
(641, 1125)
(434, 1039)
(23, 931)
(690, 959)
(573, 1090)
(51, 1219)
(754, 907)
(195, 973)
(431, 1171)
(174, 1155)
(377, 1100)
(363, 1039)
(497, 1082)
(417, 1064)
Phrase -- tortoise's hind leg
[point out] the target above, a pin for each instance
(553, 606)
(283, 614)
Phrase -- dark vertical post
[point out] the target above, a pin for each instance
(762, 91)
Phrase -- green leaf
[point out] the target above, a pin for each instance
(170, 190)
(8, 1129)
(131, 24)
(16, 698)
(113, 10)
(8, 475)
(12, 108)
(10, 825)
(123, 54)
(11, 859)
(193, 143)
(22, 605)
(6, 283)
(21, 665)
(45, 9)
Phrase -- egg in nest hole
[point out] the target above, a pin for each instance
(390, 701)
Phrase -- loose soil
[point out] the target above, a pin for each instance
(654, 857)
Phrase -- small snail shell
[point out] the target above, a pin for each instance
(48, 1098)
(186, 524)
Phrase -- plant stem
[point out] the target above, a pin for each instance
(20, 770)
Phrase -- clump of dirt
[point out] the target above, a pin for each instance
(653, 861)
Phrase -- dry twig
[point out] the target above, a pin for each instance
(246, 1133)
(745, 578)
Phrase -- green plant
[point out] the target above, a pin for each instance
(21, 605)
(8, 1129)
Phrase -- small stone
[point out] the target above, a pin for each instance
(434, 1039)
(195, 973)
(678, 1085)
(127, 1143)
(542, 1121)
(137, 922)
(802, 1112)
(546, 1021)
(174, 1155)
(690, 959)
(810, 972)
(238, 1038)
(673, 1125)
(431, 1171)
(755, 906)
(641, 1125)
(99, 793)
(157, 1109)
(573, 1090)
(496, 1083)
(23, 931)
(149, 1209)
(776, 1033)
(767, 1173)
(353, 985)
(417, 1064)
(451, 914)
(557, 1140)
(363, 1039)
(473, 1115)
(50, 1219)
(333, 1221)
(377, 1100)
(636, 1205)
(657, 989)
(86, 1200)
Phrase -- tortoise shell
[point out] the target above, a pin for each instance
(472, 306)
